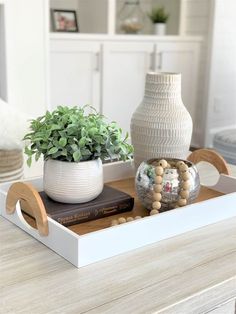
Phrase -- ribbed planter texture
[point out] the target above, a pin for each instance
(73, 182)
(11, 165)
(161, 125)
(160, 29)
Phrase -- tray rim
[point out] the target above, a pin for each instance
(226, 184)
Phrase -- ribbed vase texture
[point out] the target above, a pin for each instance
(11, 165)
(72, 182)
(161, 125)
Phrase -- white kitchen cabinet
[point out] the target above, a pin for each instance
(109, 72)
(75, 73)
(125, 66)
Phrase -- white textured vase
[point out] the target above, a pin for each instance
(160, 29)
(161, 125)
(72, 182)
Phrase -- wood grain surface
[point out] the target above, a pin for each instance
(25, 192)
(127, 186)
(190, 273)
(212, 157)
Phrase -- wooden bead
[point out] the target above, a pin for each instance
(137, 217)
(184, 194)
(156, 205)
(163, 163)
(179, 163)
(114, 222)
(154, 212)
(185, 176)
(185, 185)
(182, 202)
(157, 196)
(159, 171)
(157, 188)
(121, 220)
(168, 166)
(183, 167)
(129, 219)
(158, 179)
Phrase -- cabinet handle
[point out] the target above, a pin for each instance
(150, 62)
(97, 62)
(159, 64)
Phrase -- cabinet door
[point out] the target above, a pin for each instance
(183, 58)
(125, 67)
(74, 73)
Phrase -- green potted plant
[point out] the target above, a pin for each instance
(74, 144)
(159, 17)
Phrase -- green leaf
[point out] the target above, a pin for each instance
(53, 150)
(74, 147)
(62, 141)
(77, 155)
(82, 142)
(29, 161)
(93, 131)
(75, 134)
(37, 156)
(55, 127)
(28, 151)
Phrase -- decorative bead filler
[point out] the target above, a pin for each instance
(157, 188)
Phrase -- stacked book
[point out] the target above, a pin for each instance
(110, 202)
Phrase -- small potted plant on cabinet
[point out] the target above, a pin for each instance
(159, 18)
(74, 144)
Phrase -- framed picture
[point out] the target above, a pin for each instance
(64, 21)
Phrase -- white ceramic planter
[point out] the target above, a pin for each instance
(71, 182)
(160, 29)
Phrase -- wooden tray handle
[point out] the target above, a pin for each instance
(26, 192)
(212, 157)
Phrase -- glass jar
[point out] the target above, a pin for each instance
(131, 17)
(171, 183)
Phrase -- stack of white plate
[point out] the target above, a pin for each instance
(11, 165)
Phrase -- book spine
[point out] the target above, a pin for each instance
(88, 214)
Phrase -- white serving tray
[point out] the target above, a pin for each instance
(96, 246)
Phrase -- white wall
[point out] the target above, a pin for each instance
(27, 55)
(215, 20)
(27, 51)
(195, 20)
(222, 70)
(3, 78)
